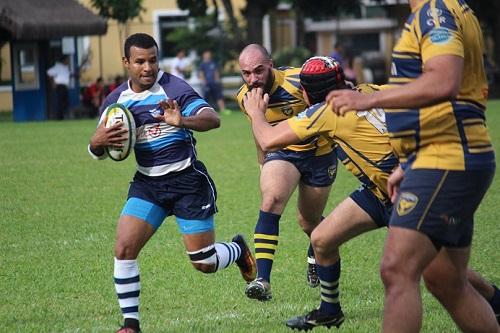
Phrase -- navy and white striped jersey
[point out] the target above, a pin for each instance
(160, 148)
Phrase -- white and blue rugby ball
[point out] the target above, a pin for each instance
(119, 113)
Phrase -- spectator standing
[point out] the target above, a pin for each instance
(211, 80)
(117, 81)
(60, 76)
(338, 53)
(180, 65)
(94, 96)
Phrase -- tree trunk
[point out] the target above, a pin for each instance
(496, 40)
(228, 6)
(254, 17)
(299, 24)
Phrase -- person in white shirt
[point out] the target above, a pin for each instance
(180, 65)
(60, 77)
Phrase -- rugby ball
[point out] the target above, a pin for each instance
(119, 113)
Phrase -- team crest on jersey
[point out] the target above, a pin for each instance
(440, 35)
(332, 171)
(407, 201)
(287, 110)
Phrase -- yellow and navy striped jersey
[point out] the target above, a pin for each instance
(285, 101)
(450, 135)
(361, 137)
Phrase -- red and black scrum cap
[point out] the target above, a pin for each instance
(320, 75)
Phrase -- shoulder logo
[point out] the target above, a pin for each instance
(435, 14)
(287, 110)
(301, 115)
(407, 201)
(440, 35)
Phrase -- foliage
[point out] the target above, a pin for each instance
(487, 11)
(321, 9)
(294, 56)
(119, 10)
(196, 8)
(205, 37)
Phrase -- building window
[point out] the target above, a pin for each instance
(167, 24)
(26, 66)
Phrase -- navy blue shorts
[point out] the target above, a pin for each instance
(189, 194)
(317, 171)
(380, 212)
(441, 203)
(213, 90)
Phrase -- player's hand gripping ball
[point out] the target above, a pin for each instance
(119, 113)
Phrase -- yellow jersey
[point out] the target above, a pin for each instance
(451, 135)
(285, 101)
(361, 137)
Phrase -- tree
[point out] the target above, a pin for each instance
(487, 13)
(120, 10)
(253, 12)
(320, 9)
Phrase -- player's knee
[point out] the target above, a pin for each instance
(125, 250)
(205, 259)
(390, 270)
(272, 203)
(306, 225)
(320, 242)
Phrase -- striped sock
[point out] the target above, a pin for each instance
(329, 280)
(128, 287)
(266, 242)
(227, 253)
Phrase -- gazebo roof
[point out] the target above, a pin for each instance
(48, 19)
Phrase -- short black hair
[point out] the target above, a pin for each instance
(141, 40)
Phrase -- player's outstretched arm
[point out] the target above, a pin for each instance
(268, 137)
(205, 120)
(345, 100)
(439, 82)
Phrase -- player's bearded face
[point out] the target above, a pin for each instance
(260, 76)
(265, 83)
(142, 67)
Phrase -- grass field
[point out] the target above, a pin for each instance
(58, 210)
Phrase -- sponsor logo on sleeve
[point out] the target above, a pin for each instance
(440, 36)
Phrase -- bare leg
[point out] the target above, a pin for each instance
(482, 286)
(198, 241)
(446, 278)
(345, 222)
(278, 180)
(406, 254)
(132, 234)
(310, 206)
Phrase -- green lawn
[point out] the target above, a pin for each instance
(58, 210)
